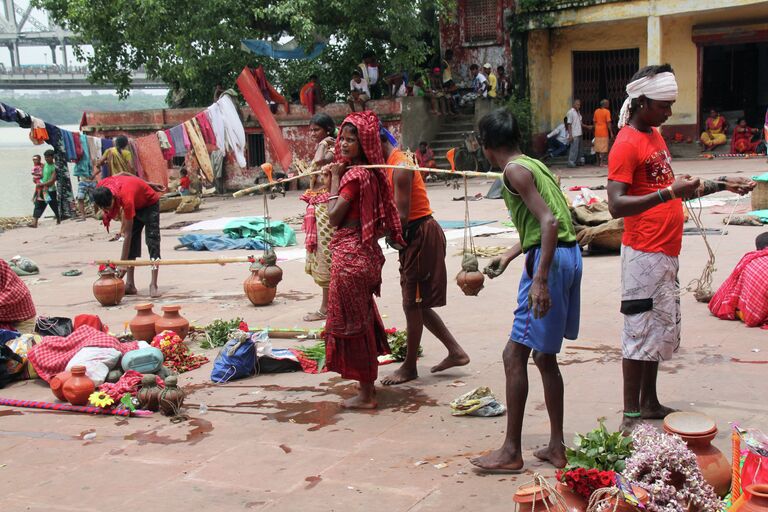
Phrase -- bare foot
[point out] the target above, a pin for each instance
(628, 425)
(461, 359)
(154, 291)
(130, 289)
(315, 316)
(359, 402)
(500, 460)
(555, 455)
(657, 412)
(400, 376)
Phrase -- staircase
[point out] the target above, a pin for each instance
(451, 135)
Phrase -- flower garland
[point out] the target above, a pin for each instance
(663, 465)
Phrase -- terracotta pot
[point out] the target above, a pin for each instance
(271, 276)
(574, 502)
(470, 282)
(756, 499)
(57, 384)
(143, 324)
(534, 497)
(257, 293)
(172, 397)
(172, 321)
(149, 394)
(109, 289)
(78, 387)
(618, 504)
(714, 467)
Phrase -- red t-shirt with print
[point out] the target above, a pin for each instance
(642, 161)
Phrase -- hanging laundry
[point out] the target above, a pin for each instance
(233, 126)
(78, 146)
(135, 159)
(185, 133)
(105, 145)
(177, 139)
(165, 144)
(39, 134)
(84, 167)
(152, 160)
(205, 128)
(69, 145)
(203, 158)
(213, 113)
(7, 113)
(94, 148)
(54, 135)
(23, 119)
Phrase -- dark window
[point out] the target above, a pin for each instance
(481, 20)
(603, 74)
(256, 154)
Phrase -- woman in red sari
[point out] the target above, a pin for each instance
(742, 138)
(362, 209)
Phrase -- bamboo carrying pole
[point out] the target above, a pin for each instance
(469, 174)
(151, 263)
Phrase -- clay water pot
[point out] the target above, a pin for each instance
(258, 293)
(172, 397)
(533, 497)
(143, 324)
(470, 282)
(108, 289)
(756, 499)
(698, 431)
(57, 384)
(619, 504)
(573, 501)
(78, 387)
(149, 394)
(172, 321)
(271, 275)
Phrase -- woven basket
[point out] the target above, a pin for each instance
(760, 196)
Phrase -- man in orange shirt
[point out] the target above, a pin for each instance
(423, 277)
(603, 131)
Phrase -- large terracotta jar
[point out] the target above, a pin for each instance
(698, 431)
(258, 293)
(143, 324)
(78, 388)
(756, 499)
(574, 502)
(532, 498)
(149, 394)
(57, 384)
(108, 289)
(172, 321)
(172, 397)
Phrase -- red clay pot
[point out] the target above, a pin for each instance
(172, 321)
(57, 383)
(257, 292)
(143, 324)
(532, 497)
(620, 505)
(756, 499)
(470, 282)
(271, 275)
(573, 501)
(109, 289)
(78, 388)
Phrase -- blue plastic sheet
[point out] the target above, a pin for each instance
(219, 243)
(277, 51)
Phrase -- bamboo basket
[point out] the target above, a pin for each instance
(760, 196)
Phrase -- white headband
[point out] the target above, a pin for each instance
(661, 87)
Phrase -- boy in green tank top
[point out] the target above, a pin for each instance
(548, 300)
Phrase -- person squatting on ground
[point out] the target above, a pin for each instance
(140, 203)
(548, 300)
(423, 277)
(317, 225)
(362, 209)
(46, 196)
(643, 189)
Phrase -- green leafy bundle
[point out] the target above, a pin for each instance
(217, 332)
(599, 449)
(398, 344)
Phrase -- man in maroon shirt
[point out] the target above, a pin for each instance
(140, 203)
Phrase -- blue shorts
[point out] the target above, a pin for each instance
(562, 320)
(85, 188)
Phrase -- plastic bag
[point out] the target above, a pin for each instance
(236, 360)
(98, 361)
(54, 326)
(755, 469)
(585, 197)
(21, 346)
(478, 402)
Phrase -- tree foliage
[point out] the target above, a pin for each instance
(193, 44)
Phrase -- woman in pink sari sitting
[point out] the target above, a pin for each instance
(742, 138)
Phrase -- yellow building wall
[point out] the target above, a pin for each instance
(678, 50)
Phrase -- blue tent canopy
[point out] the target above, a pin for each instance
(290, 50)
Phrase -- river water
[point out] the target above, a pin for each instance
(16, 186)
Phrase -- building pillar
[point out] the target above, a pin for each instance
(64, 55)
(654, 40)
(53, 53)
(15, 52)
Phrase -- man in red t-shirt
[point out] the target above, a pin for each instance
(140, 203)
(423, 278)
(643, 189)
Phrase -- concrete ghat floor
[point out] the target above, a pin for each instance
(281, 442)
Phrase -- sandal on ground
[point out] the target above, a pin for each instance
(315, 316)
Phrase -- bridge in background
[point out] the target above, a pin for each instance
(19, 27)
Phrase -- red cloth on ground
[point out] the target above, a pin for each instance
(130, 193)
(746, 289)
(15, 300)
(52, 354)
(205, 128)
(152, 160)
(91, 320)
(642, 161)
(128, 383)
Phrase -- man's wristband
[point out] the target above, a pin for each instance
(661, 197)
